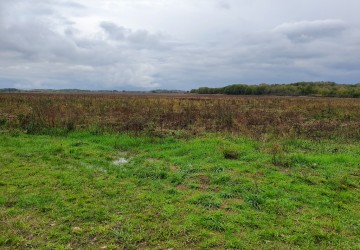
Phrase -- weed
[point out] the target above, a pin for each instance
(206, 200)
(214, 221)
(255, 201)
(231, 154)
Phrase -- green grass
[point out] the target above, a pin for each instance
(213, 191)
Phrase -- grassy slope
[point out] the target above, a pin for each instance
(64, 192)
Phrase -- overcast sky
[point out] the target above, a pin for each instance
(176, 44)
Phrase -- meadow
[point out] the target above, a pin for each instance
(141, 171)
(159, 114)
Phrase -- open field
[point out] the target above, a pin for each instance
(160, 114)
(178, 172)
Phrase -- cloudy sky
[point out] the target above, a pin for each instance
(176, 44)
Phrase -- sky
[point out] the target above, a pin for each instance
(176, 44)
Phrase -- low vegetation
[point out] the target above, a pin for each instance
(180, 171)
(161, 114)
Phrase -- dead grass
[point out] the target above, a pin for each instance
(159, 115)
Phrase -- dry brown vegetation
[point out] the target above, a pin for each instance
(158, 114)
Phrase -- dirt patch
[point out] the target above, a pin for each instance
(173, 169)
(182, 187)
(204, 181)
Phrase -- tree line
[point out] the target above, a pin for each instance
(325, 89)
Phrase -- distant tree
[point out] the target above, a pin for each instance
(330, 89)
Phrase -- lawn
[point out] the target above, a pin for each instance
(120, 191)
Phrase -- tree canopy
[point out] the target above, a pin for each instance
(326, 89)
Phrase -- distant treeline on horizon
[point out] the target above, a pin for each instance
(14, 90)
(321, 89)
(325, 89)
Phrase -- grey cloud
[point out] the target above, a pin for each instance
(51, 46)
(20, 42)
(72, 4)
(113, 31)
(49, 53)
(143, 37)
(139, 39)
(224, 5)
(48, 58)
(263, 57)
(306, 31)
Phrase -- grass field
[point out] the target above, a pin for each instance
(109, 171)
(213, 191)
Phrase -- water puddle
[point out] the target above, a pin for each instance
(120, 161)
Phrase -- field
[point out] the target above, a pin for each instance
(121, 171)
(156, 115)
